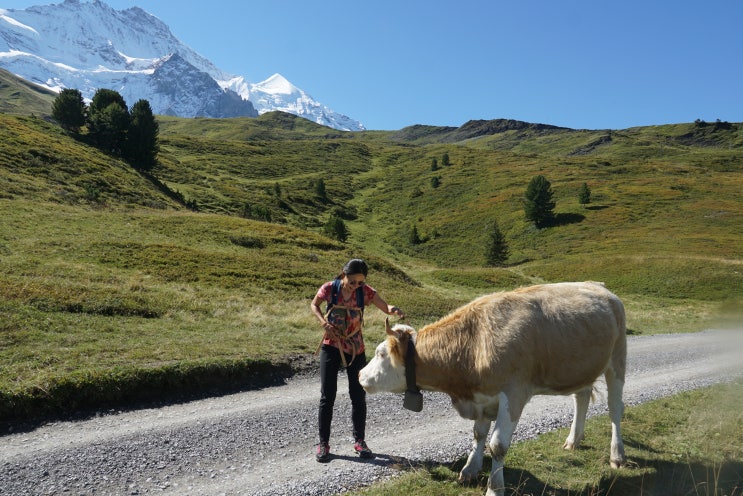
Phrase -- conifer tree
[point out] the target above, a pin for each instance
(320, 190)
(497, 252)
(584, 195)
(142, 137)
(538, 204)
(108, 120)
(68, 109)
(415, 238)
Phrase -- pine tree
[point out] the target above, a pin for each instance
(496, 253)
(142, 137)
(538, 204)
(584, 195)
(415, 238)
(445, 160)
(320, 190)
(108, 120)
(68, 109)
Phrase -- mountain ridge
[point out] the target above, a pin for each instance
(10, 84)
(90, 45)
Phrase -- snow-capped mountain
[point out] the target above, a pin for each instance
(89, 45)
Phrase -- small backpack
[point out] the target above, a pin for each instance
(337, 289)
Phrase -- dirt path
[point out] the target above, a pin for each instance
(262, 442)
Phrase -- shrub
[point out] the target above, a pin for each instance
(335, 228)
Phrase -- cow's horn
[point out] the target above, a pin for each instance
(387, 327)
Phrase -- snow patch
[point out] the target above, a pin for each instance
(15, 23)
(277, 85)
(89, 45)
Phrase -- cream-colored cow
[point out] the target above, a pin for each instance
(492, 355)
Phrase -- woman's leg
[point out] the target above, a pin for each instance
(358, 397)
(330, 361)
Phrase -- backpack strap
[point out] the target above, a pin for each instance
(360, 297)
(360, 301)
(336, 288)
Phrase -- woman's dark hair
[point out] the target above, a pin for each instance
(353, 267)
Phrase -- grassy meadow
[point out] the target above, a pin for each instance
(689, 444)
(113, 292)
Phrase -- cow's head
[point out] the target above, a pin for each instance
(386, 371)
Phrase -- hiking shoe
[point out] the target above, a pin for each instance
(362, 449)
(323, 453)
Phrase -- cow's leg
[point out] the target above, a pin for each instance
(615, 386)
(509, 412)
(578, 427)
(474, 461)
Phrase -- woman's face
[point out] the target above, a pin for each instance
(354, 281)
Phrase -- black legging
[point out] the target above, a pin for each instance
(330, 364)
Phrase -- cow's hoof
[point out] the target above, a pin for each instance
(467, 477)
(617, 463)
(572, 444)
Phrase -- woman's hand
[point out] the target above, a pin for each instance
(331, 330)
(397, 311)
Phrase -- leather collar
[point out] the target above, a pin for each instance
(413, 398)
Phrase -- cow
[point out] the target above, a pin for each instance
(493, 354)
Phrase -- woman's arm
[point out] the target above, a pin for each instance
(317, 312)
(388, 309)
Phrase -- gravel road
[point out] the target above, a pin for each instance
(262, 442)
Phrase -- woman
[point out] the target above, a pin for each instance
(343, 345)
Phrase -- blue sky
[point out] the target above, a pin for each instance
(590, 64)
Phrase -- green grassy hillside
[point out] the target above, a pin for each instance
(665, 201)
(18, 96)
(106, 280)
(40, 163)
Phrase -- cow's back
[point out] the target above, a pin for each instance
(555, 338)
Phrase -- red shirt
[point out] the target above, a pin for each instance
(356, 341)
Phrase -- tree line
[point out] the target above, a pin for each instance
(111, 125)
(133, 134)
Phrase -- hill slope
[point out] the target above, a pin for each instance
(665, 189)
(106, 280)
(41, 163)
(18, 96)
